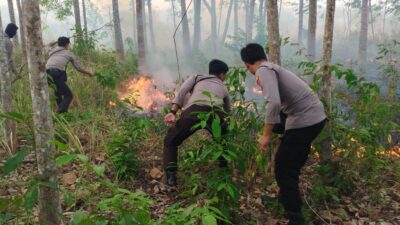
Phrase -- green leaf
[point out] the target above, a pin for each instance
(13, 116)
(4, 203)
(81, 218)
(99, 170)
(216, 127)
(15, 161)
(209, 220)
(64, 159)
(59, 145)
(83, 158)
(31, 197)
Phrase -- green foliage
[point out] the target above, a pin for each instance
(62, 8)
(15, 161)
(123, 148)
(389, 57)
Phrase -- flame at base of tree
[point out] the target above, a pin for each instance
(142, 93)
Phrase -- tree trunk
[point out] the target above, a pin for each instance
(300, 31)
(85, 25)
(151, 27)
(371, 19)
(363, 38)
(326, 151)
(49, 201)
(249, 21)
(197, 26)
(22, 30)
(173, 12)
(12, 19)
(134, 22)
(119, 42)
(9, 126)
(78, 24)
(140, 36)
(185, 29)
(312, 27)
(235, 21)
(213, 12)
(274, 42)
(214, 35)
(228, 18)
(261, 23)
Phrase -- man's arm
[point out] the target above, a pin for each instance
(269, 82)
(9, 49)
(183, 91)
(79, 67)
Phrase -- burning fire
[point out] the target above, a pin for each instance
(143, 93)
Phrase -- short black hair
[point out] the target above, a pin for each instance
(11, 30)
(216, 67)
(63, 41)
(252, 53)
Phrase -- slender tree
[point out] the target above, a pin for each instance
(185, 29)
(235, 20)
(77, 14)
(197, 25)
(134, 22)
(22, 30)
(261, 26)
(85, 25)
(119, 43)
(249, 21)
(363, 38)
(300, 31)
(213, 12)
(312, 27)
(228, 18)
(140, 36)
(12, 18)
(49, 201)
(326, 153)
(9, 126)
(274, 43)
(151, 27)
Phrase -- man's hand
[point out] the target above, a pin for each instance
(263, 142)
(90, 74)
(170, 118)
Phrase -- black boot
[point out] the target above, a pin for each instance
(171, 178)
(295, 219)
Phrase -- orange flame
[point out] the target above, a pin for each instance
(112, 104)
(142, 92)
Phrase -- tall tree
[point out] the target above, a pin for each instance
(151, 27)
(134, 22)
(22, 30)
(235, 20)
(49, 201)
(312, 27)
(185, 29)
(261, 26)
(12, 18)
(140, 36)
(213, 12)
(85, 25)
(326, 153)
(9, 127)
(228, 18)
(77, 14)
(363, 38)
(249, 21)
(300, 31)
(197, 25)
(274, 43)
(119, 42)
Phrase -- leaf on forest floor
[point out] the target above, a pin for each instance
(69, 178)
(156, 173)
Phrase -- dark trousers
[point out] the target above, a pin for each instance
(58, 79)
(182, 129)
(291, 156)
